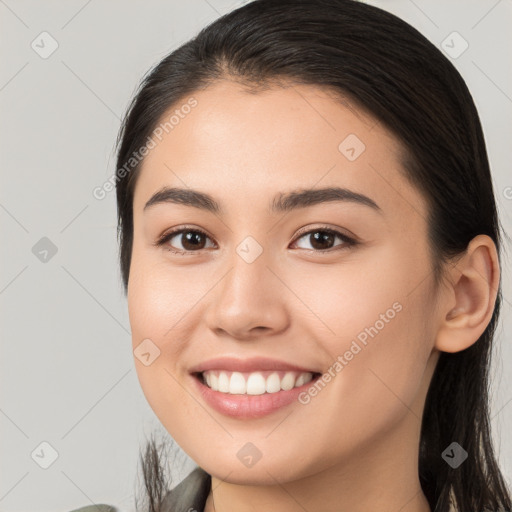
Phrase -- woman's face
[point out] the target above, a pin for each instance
(272, 283)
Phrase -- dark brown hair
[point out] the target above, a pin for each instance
(386, 67)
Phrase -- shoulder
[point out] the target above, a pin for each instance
(101, 507)
(190, 493)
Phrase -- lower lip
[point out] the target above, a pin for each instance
(249, 406)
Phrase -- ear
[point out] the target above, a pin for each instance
(468, 302)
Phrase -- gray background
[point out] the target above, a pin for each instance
(67, 370)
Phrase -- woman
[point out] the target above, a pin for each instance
(310, 246)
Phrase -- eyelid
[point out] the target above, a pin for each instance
(307, 229)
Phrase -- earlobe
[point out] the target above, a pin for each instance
(471, 297)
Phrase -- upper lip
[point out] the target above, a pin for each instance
(246, 365)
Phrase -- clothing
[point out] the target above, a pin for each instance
(188, 496)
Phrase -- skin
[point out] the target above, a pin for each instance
(354, 447)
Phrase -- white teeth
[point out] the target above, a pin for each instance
(214, 381)
(301, 380)
(255, 383)
(273, 383)
(288, 381)
(223, 383)
(237, 384)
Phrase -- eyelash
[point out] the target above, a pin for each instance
(348, 242)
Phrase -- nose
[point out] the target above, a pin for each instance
(249, 302)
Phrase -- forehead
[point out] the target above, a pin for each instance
(243, 147)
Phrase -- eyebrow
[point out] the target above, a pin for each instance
(282, 202)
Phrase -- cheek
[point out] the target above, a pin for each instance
(375, 315)
(164, 308)
(363, 290)
(159, 300)
(153, 316)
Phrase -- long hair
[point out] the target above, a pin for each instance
(387, 68)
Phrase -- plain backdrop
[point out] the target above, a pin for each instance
(70, 399)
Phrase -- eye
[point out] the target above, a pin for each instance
(189, 238)
(321, 237)
(193, 240)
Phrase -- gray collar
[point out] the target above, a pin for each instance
(191, 492)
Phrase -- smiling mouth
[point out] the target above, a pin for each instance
(254, 383)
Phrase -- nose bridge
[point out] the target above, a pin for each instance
(247, 296)
(249, 275)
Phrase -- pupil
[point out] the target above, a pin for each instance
(319, 238)
(189, 238)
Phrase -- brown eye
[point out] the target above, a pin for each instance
(194, 240)
(322, 239)
(191, 240)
